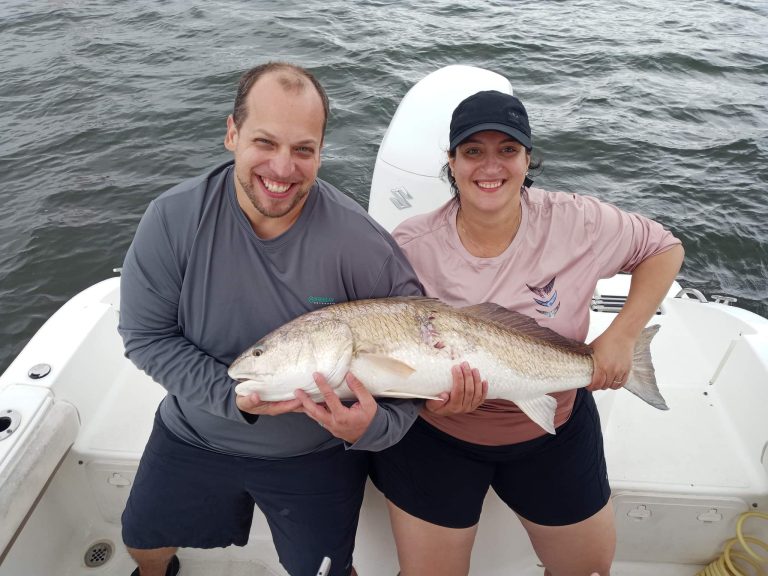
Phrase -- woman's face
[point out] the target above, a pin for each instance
(489, 168)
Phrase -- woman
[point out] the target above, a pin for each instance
(541, 254)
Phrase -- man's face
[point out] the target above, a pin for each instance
(276, 149)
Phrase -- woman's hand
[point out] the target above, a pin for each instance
(467, 393)
(612, 357)
(614, 348)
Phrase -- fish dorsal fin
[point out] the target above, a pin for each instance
(517, 322)
(413, 300)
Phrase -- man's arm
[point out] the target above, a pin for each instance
(150, 289)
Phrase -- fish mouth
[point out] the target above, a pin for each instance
(232, 373)
(260, 378)
(253, 378)
(244, 369)
(245, 386)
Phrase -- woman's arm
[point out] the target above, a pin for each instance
(613, 349)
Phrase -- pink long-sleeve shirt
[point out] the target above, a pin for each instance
(565, 244)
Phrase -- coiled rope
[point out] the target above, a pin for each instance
(725, 564)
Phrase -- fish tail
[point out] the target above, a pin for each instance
(642, 379)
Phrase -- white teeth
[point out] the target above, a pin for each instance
(494, 184)
(274, 186)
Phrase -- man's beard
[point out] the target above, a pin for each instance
(277, 213)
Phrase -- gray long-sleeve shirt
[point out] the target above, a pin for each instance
(198, 287)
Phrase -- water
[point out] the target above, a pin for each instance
(657, 106)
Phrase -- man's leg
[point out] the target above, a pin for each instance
(183, 496)
(312, 504)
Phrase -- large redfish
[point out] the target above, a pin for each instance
(405, 347)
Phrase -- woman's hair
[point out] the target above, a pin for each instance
(534, 164)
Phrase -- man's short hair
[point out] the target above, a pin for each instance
(291, 77)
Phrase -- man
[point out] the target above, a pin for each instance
(217, 262)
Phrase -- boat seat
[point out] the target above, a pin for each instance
(34, 450)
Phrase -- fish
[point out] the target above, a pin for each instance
(404, 347)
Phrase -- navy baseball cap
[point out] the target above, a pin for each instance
(490, 110)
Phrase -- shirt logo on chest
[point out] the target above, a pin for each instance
(547, 298)
(321, 300)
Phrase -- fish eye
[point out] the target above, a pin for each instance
(257, 352)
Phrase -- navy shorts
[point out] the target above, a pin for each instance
(185, 496)
(552, 480)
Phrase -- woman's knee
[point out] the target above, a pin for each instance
(582, 548)
(426, 549)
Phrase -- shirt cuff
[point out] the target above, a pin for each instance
(392, 420)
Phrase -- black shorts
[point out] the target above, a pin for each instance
(184, 496)
(552, 480)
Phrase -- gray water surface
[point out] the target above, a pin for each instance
(659, 107)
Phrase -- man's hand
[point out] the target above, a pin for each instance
(467, 393)
(251, 404)
(349, 424)
(612, 358)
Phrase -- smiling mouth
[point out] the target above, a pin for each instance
(275, 188)
(489, 184)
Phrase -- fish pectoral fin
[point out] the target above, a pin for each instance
(397, 394)
(387, 364)
(541, 410)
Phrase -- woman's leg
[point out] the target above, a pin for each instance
(435, 485)
(561, 494)
(426, 549)
(576, 549)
